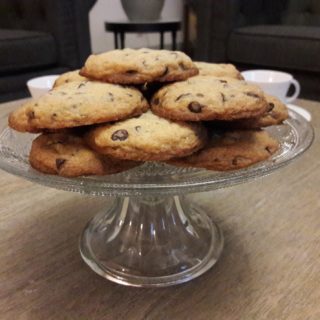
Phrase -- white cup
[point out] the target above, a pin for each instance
(275, 83)
(41, 85)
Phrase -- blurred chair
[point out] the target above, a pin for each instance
(273, 34)
(39, 37)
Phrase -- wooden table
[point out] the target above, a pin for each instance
(269, 270)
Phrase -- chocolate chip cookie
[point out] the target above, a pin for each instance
(68, 77)
(130, 66)
(80, 103)
(147, 138)
(218, 70)
(68, 155)
(277, 112)
(209, 98)
(19, 121)
(231, 150)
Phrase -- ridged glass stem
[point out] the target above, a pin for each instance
(149, 238)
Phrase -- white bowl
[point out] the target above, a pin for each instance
(41, 85)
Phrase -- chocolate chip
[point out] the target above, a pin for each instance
(129, 95)
(269, 150)
(82, 84)
(195, 107)
(30, 115)
(155, 101)
(111, 96)
(182, 96)
(59, 163)
(182, 66)
(120, 135)
(137, 128)
(223, 97)
(35, 104)
(238, 160)
(235, 161)
(55, 115)
(200, 95)
(253, 95)
(166, 70)
(131, 71)
(271, 107)
(223, 81)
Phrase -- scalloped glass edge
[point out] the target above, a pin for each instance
(295, 136)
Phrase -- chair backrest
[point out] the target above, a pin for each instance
(289, 12)
(23, 14)
(302, 12)
(253, 12)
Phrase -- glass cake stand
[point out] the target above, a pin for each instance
(151, 235)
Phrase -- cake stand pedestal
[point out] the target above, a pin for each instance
(151, 235)
(151, 241)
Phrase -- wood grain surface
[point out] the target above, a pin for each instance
(269, 269)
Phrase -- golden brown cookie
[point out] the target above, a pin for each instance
(131, 66)
(19, 121)
(231, 150)
(147, 138)
(276, 114)
(68, 155)
(79, 103)
(209, 98)
(68, 77)
(218, 70)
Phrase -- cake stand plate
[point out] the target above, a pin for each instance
(151, 235)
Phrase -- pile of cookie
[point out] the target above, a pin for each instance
(125, 107)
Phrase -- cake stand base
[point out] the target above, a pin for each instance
(151, 241)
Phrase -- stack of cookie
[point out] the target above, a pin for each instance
(128, 106)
